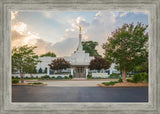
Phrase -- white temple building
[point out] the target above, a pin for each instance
(79, 61)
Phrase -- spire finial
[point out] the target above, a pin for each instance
(79, 28)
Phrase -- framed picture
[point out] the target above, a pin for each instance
(61, 73)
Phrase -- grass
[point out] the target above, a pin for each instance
(36, 83)
(110, 83)
(104, 78)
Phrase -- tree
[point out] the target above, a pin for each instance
(31, 71)
(50, 54)
(127, 47)
(24, 60)
(89, 47)
(35, 70)
(143, 67)
(45, 71)
(99, 63)
(59, 64)
(40, 70)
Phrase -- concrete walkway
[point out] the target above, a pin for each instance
(74, 83)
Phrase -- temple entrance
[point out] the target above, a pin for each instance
(79, 72)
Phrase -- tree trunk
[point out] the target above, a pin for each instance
(124, 74)
(22, 77)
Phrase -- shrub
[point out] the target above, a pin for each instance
(140, 77)
(89, 76)
(109, 83)
(40, 70)
(17, 77)
(114, 75)
(144, 77)
(53, 77)
(112, 82)
(45, 77)
(66, 77)
(120, 80)
(129, 80)
(98, 78)
(59, 77)
(26, 77)
(136, 78)
(37, 83)
(70, 76)
(15, 80)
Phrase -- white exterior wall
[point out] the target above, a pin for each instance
(74, 60)
(44, 62)
(102, 75)
(112, 69)
(80, 58)
(47, 60)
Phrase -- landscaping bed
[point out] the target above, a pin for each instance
(34, 83)
(127, 84)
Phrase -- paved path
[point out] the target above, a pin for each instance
(78, 94)
(75, 83)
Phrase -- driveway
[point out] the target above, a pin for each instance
(74, 83)
(78, 94)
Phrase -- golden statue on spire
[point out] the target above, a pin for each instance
(79, 28)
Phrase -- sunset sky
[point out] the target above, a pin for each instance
(58, 31)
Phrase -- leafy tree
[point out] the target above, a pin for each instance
(45, 71)
(40, 70)
(99, 63)
(35, 70)
(143, 67)
(50, 54)
(24, 60)
(89, 47)
(59, 64)
(127, 47)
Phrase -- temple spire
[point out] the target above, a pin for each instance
(80, 42)
(80, 29)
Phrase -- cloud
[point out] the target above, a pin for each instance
(105, 16)
(66, 47)
(98, 29)
(47, 14)
(14, 14)
(141, 12)
(20, 27)
(60, 18)
(22, 36)
(63, 48)
(73, 31)
(123, 14)
(43, 46)
(101, 26)
(79, 21)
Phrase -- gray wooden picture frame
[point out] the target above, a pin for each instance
(153, 104)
